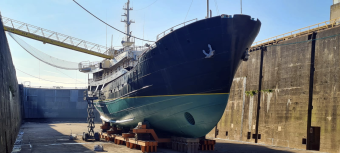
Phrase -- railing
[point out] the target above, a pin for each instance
(298, 32)
(55, 38)
(99, 78)
(54, 87)
(86, 64)
(146, 49)
(164, 33)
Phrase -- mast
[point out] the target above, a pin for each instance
(207, 9)
(127, 20)
(241, 6)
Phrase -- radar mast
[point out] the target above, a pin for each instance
(127, 41)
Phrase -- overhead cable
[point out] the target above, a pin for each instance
(110, 25)
(46, 79)
(218, 13)
(69, 76)
(147, 6)
(188, 10)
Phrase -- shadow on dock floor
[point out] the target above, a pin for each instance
(53, 137)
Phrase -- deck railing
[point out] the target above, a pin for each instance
(303, 31)
(164, 33)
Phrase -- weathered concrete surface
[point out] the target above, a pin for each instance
(43, 103)
(10, 104)
(53, 138)
(326, 93)
(285, 94)
(240, 115)
(283, 114)
(335, 11)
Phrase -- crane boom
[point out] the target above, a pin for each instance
(54, 38)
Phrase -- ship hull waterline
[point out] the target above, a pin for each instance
(175, 87)
(163, 111)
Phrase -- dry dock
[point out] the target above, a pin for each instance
(285, 98)
(54, 138)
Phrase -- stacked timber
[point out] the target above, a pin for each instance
(206, 144)
(114, 130)
(187, 145)
(105, 126)
(138, 138)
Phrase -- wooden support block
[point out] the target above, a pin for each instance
(143, 148)
(104, 127)
(114, 132)
(127, 144)
(128, 135)
(147, 148)
(143, 126)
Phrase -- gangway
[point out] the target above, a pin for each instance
(55, 38)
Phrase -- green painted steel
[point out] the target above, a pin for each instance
(187, 115)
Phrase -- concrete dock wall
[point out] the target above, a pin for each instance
(44, 103)
(10, 103)
(291, 81)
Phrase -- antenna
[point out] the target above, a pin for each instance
(207, 9)
(106, 30)
(111, 41)
(241, 6)
(143, 30)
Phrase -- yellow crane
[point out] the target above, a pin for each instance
(55, 38)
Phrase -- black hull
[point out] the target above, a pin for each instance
(177, 66)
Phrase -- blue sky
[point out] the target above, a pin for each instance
(64, 16)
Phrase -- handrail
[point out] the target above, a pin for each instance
(301, 31)
(157, 38)
(54, 38)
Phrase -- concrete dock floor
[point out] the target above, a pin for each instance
(54, 138)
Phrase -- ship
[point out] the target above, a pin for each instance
(180, 84)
